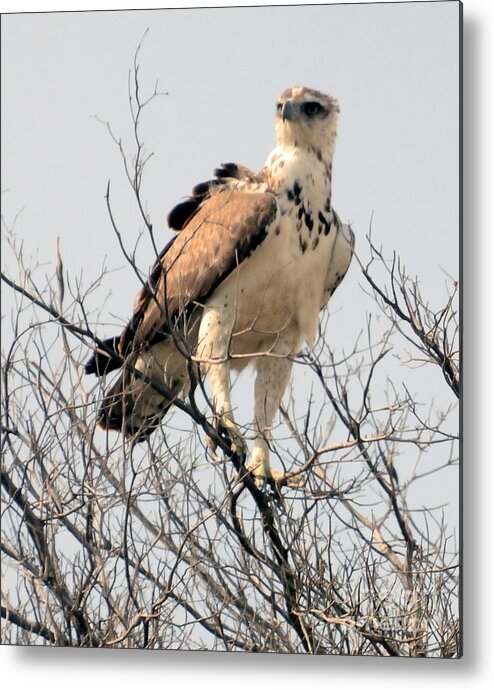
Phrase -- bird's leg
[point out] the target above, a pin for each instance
(212, 350)
(219, 378)
(272, 378)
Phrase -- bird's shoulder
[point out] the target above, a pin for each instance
(227, 177)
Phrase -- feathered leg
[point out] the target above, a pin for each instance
(272, 378)
(219, 378)
(212, 352)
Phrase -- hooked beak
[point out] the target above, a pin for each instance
(288, 112)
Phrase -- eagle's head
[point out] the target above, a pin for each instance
(307, 118)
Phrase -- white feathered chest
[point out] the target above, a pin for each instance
(272, 300)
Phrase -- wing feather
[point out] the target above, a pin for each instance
(226, 229)
(340, 259)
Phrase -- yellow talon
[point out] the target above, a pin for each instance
(211, 447)
(238, 444)
(261, 477)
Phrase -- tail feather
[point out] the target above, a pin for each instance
(103, 362)
(132, 405)
(121, 411)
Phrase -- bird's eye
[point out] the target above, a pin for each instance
(312, 108)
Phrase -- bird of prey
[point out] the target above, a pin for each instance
(254, 258)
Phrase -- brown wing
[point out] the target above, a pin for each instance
(181, 214)
(224, 231)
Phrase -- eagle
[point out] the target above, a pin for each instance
(254, 258)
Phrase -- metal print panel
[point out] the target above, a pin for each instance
(230, 336)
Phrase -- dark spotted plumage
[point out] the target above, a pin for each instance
(326, 224)
(308, 221)
(297, 191)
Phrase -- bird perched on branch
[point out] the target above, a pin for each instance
(255, 258)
